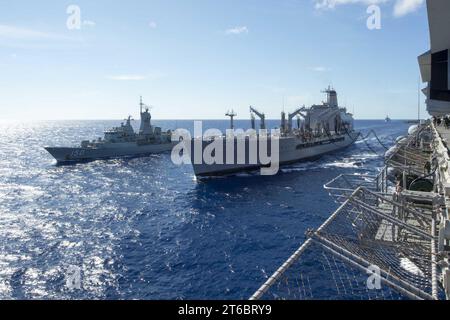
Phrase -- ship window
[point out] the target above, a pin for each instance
(439, 86)
(439, 70)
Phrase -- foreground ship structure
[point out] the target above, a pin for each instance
(120, 141)
(434, 64)
(320, 129)
(390, 236)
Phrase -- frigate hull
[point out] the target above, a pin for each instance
(291, 150)
(70, 155)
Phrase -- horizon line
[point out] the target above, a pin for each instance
(195, 119)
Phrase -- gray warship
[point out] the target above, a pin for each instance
(321, 129)
(120, 141)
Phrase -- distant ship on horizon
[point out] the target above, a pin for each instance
(387, 119)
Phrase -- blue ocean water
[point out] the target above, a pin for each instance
(144, 228)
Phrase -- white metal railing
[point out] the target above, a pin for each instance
(356, 252)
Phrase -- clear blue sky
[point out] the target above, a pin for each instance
(196, 59)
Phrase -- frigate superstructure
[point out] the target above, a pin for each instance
(121, 141)
(320, 129)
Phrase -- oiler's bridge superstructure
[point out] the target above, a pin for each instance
(390, 236)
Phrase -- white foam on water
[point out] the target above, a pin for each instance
(341, 165)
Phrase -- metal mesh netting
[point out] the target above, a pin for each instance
(368, 230)
(344, 185)
(320, 275)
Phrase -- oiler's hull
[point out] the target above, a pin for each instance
(291, 150)
(71, 155)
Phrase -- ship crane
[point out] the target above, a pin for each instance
(262, 116)
(253, 120)
(231, 114)
(291, 116)
(299, 119)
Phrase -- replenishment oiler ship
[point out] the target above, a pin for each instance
(120, 141)
(320, 129)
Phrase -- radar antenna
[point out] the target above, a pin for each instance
(144, 106)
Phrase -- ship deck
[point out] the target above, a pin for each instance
(444, 134)
(378, 226)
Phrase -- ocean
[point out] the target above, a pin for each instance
(144, 228)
